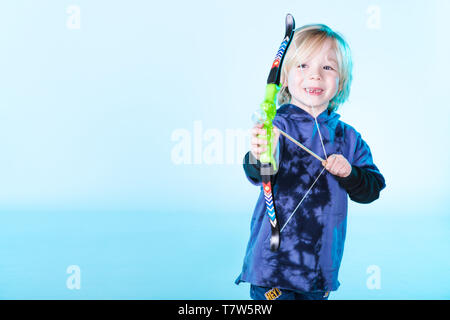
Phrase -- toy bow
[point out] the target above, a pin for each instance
(268, 110)
(267, 114)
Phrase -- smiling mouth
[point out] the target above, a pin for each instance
(314, 91)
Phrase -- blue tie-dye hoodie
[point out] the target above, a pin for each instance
(312, 242)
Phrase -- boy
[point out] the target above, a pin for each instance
(310, 196)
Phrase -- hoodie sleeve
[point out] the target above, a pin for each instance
(252, 168)
(365, 181)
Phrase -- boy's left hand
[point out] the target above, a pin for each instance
(337, 165)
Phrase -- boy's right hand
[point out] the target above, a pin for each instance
(258, 141)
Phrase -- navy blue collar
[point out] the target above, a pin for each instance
(295, 112)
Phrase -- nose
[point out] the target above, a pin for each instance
(314, 73)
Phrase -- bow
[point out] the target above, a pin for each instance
(268, 163)
(268, 110)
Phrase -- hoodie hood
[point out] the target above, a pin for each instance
(296, 113)
(301, 125)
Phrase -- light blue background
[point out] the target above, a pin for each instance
(87, 171)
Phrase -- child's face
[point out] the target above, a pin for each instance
(318, 72)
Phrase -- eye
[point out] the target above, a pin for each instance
(328, 68)
(302, 66)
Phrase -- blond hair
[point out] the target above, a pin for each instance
(306, 41)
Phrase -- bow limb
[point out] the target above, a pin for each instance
(268, 108)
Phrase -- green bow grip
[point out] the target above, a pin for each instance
(269, 108)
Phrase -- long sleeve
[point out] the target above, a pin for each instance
(365, 181)
(252, 168)
(363, 185)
